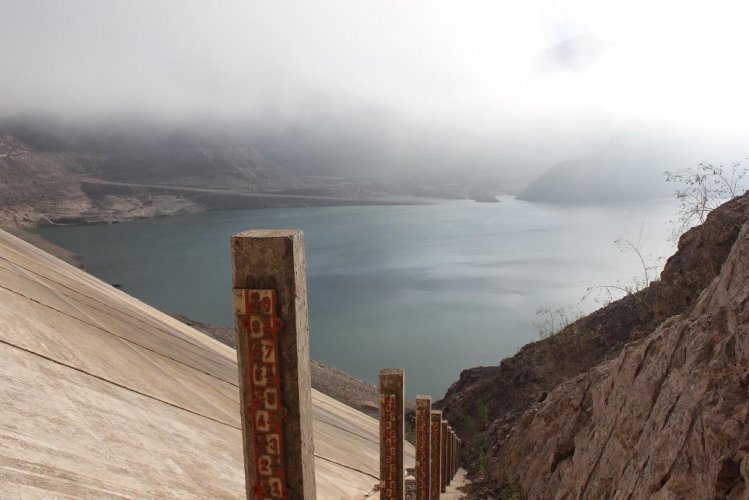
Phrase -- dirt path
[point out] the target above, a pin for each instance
(454, 491)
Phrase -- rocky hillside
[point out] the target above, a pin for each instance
(527, 392)
(33, 182)
(667, 418)
(39, 185)
(228, 167)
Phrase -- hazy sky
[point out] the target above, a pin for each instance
(472, 69)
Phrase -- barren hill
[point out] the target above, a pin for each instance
(53, 182)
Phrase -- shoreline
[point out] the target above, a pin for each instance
(45, 245)
(175, 206)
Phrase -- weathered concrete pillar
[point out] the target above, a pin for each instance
(270, 310)
(455, 453)
(449, 454)
(423, 446)
(443, 457)
(435, 475)
(452, 455)
(392, 486)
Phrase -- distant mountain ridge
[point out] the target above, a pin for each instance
(43, 185)
(630, 166)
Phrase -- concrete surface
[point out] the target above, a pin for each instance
(454, 491)
(103, 396)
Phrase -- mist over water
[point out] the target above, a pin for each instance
(432, 288)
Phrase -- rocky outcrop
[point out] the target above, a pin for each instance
(668, 417)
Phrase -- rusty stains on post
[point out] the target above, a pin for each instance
(435, 476)
(392, 384)
(270, 310)
(423, 446)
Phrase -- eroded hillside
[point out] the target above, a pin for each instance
(666, 419)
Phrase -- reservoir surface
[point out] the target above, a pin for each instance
(430, 288)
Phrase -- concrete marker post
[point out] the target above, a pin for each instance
(392, 384)
(270, 310)
(455, 453)
(443, 457)
(449, 454)
(423, 446)
(435, 476)
(452, 456)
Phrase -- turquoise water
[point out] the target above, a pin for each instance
(433, 288)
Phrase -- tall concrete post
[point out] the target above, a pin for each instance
(270, 311)
(435, 476)
(454, 453)
(443, 458)
(392, 385)
(449, 454)
(423, 446)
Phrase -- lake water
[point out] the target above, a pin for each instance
(432, 288)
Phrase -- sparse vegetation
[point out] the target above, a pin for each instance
(475, 431)
(648, 271)
(701, 189)
(551, 321)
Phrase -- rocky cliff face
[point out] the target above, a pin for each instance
(528, 379)
(666, 419)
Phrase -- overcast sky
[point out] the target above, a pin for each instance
(477, 69)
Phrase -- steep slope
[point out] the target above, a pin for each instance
(509, 389)
(240, 168)
(102, 396)
(32, 182)
(666, 419)
(116, 182)
(43, 187)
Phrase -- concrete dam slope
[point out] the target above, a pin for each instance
(104, 396)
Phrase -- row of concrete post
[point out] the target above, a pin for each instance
(438, 448)
(270, 309)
